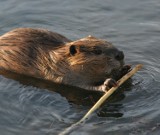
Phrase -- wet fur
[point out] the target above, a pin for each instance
(26, 50)
(43, 54)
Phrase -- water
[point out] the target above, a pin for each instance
(132, 26)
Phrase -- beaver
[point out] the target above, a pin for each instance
(89, 63)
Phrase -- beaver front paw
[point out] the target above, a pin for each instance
(109, 83)
(125, 69)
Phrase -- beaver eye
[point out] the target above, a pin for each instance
(97, 52)
(72, 50)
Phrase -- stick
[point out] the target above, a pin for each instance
(103, 98)
(108, 93)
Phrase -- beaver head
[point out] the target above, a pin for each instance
(91, 61)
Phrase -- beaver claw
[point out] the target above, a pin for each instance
(125, 69)
(110, 83)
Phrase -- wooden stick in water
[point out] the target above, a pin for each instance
(102, 99)
(108, 93)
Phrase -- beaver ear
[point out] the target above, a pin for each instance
(73, 50)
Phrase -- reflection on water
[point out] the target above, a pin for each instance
(72, 94)
(32, 106)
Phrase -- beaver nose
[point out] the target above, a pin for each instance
(119, 56)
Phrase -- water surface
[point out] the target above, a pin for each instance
(132, 26)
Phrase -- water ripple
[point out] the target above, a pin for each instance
(132, 26)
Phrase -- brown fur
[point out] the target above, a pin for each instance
(43, 54)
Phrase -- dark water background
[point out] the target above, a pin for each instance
(131, 25)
